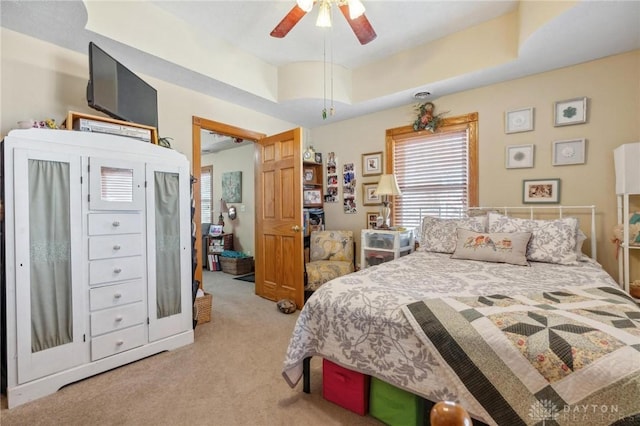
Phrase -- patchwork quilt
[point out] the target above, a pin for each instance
(362, 321)
(555, 357)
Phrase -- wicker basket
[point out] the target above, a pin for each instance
(203, 308)
(236, 265)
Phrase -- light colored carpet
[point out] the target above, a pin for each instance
(231, 375)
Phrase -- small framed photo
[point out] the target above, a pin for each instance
(372, 220)
(541, 191)
(308, 175)
(312, 197)
(519, 156)
(368, 190)
(572, 151)
(518, 120)
(372, 164)
(318, 157)
(571, 111)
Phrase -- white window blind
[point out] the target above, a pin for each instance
(433, 175)
(206, 195)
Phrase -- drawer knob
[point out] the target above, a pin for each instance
(119, 318)
(116, 223)
(117, 295)
(119, 342)
(117, 270)
(116, 247)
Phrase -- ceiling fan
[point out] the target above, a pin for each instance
(352, 10)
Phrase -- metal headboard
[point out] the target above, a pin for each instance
(560, 211)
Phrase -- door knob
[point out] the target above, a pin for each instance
(295, 228)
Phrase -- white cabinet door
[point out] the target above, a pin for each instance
(48, 263)
(115, 184)
(168, 250)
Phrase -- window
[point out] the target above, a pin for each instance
(436, 172)
(206, 194)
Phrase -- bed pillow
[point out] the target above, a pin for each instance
(501, 247)
(439, 235)
(552, 241)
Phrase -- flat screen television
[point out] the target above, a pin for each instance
(118, 92)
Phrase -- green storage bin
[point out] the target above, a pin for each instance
(394, 406)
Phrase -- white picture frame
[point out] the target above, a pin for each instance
(519, 156)
(518, 120)
(570, 111)
(570, 151)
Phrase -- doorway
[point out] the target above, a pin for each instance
(199, 124)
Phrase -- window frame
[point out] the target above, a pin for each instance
(203, 170)
(467, 122)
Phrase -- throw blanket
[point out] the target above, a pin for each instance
(561, 357)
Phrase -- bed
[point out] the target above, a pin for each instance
(550, 337)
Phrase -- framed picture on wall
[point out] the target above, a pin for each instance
(572, 151)
(570, 111)
(372, 164)
(518, 120)
(540, 191)
(519, 156)
(369, 196)
(372, 220)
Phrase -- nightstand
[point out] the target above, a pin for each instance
(383, 245)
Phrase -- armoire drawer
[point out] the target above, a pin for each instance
(113, 319)
(115, 223)
(116, 342)
(118, 269)
(116, 295)
(106, 246)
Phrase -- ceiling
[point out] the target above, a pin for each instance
(240, 29)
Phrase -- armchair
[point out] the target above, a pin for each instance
(331, 254)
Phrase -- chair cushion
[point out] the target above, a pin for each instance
(321, 271)
(331, 245)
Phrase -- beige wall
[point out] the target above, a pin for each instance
(52, 81)
(41, 80)
(233, 160)
(613, 88)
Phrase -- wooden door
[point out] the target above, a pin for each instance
(279, 238)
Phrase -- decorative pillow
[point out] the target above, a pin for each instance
(581, 237)
(439, 235)
(501, 247)
(552, 241)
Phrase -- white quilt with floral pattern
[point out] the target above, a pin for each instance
(357, 320)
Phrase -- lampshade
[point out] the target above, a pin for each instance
(305, 5)
(324, 14)
(356, 8)
(387, 185)
(223, 206)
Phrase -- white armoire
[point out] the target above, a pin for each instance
(98, 256)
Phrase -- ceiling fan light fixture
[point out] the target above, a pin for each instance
(356, 8)
(324, 14)
(305, 5)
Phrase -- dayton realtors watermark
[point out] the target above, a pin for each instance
(545, 410)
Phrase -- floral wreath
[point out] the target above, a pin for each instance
(426, 119)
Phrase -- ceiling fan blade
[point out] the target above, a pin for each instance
(288, 22)
(361, 26)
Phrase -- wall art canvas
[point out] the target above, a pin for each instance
(232, 187)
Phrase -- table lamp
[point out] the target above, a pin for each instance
(386, 186)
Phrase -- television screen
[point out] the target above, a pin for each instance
(118, 92)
